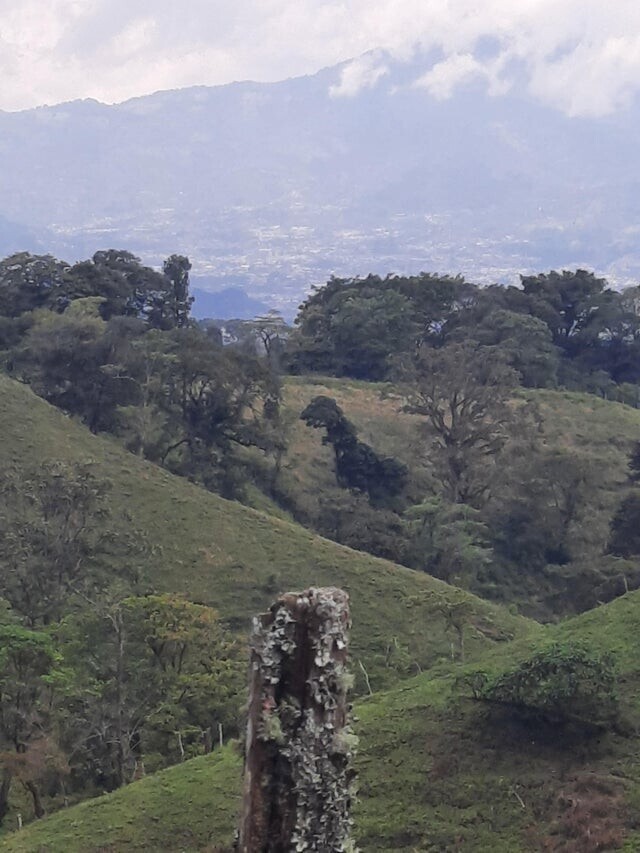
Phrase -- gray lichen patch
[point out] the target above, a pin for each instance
(299, 779)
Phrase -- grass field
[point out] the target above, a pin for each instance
(437, 772)
(237, 559)
(598, 431)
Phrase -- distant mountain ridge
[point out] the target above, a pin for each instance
(274, 187)
(232, 303)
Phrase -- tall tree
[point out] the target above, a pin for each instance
(127, 287)
(214, 402)
(352, 327)
(570, 303)
(148, 363)
(157, 673)
(172, 305)
(55, 537)
(30, 281)
(524, 340)
(358, 466)
(450, 541)
(270, 332)
(76, 361)
(28, 661)
(463, 392)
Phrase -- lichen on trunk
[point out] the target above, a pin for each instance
(298, 768)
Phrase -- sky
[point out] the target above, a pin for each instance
(580, 56)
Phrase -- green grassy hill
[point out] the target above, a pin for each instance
(236, 559)
(188, 808)
(441, 772)
(594, 435)
(599, 431)
(436, 773)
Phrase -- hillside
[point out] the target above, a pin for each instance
(246, 180)
(455, 777)
(436, 773)
(234, 558)
(601, 431)
(596, 434)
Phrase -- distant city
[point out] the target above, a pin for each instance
(272, 188)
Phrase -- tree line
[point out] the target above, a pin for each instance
(100, 675)
(111, 341)
(500, 511)
(559, 329)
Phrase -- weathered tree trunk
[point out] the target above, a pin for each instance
(5, 788)
(207, 740)
(38, 808)
(298, 775)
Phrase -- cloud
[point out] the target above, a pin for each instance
(444, 77)
(581, 56)
(591, 80)
(362, 73)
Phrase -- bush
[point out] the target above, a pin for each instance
(562, 683)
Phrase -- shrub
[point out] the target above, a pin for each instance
(563, 682)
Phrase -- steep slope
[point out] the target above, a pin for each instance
(479, 781)
(192, 807)
(436, 773)
(288, 182)
(599, 431)
(235, 559)
(595, 435)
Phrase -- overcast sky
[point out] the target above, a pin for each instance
(582, 56)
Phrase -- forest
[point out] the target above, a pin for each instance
(477, 451)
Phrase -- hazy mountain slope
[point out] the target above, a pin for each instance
(234, 558)
(13, 236)
(274, 186)
(232, 303)
(435, 773)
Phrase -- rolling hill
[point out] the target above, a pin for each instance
(235, 558)
(596, 434)
(436, 773)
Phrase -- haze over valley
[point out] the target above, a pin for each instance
(274, 187)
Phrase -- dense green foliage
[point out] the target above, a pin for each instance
(436, 772)
(111, 342)
(625, 527)
(96, 677)
(564, 328)
(463, 393)
(564, 682)
(123, 285)
(358, 466)
(122, 587)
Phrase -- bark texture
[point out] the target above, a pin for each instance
(298, 775)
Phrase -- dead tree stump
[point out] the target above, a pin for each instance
(298, 775)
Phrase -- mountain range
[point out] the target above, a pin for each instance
(273, 187)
